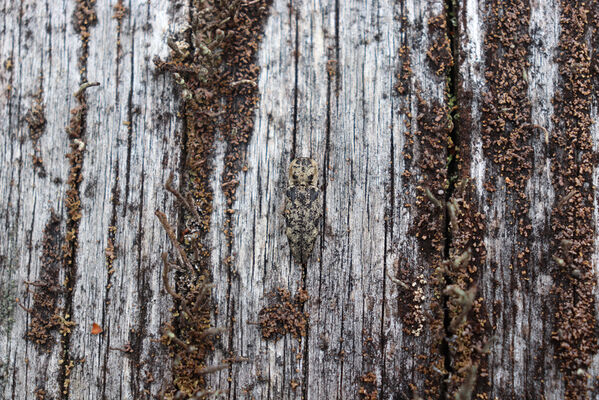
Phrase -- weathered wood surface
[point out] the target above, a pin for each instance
(546, 49)
(130, 147)
(366, 89)
(344, 116)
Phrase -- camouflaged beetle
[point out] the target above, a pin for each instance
(303, 208)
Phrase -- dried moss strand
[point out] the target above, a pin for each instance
(187, 202)
(171, 234)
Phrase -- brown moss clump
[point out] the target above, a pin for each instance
(425, 158)
(469, 327)
(84, 18)
(440, 54)
(367, 389)
(188, 336)
(506, 109)
(213, 63)
(575, 333)
(36, 118)
(45, 316)
(192, 341)
(403, 76)
(284, 314)
(120, 11)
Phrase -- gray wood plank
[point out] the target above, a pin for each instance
(38, 41)
(347, 55)
(131, 134)
(513, 91)
(364, 88)
(261, 260)
(132, 145)
(414, 356)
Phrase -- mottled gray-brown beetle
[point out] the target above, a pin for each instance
(303, 208)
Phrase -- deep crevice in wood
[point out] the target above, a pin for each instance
(84, 17)
(110, 256)
(294, 17)
(451, 9)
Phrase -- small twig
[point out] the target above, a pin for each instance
(432, 198)
(212, 332)
(538, 127)
(244, 81)
(27, 310)
(35, 283)
(452, 210)
(125, 349)
(563, 201)
(465, 391)
(201, 295)
(85, 86)
(398, 282)
(167, 286)
(225, 364)
(187, 202)
(212, 393)
(171, 234)
(174, 338)
(213, 368)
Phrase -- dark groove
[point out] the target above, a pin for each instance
(306, 351)
(141, 282)
(111, 234)
(337, 49)
(130, 125)
(10, 120)
(28, 297)
(296, 72)
(74, 184)
(18, 113)
(349, 290)
(341, 359)
(49, 48)
(389, 218)
(141, 331)
(14, 377)
(451, 8)
(115, 189)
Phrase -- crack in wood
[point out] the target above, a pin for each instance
(451, 7)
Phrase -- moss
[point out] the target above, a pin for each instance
(45, 314)
(367, 389)
(572, 225)
(284, 315)
(213, 63)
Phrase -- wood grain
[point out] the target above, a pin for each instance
(130, 147)
(366, 89)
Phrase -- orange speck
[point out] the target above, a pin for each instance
(96, 329)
